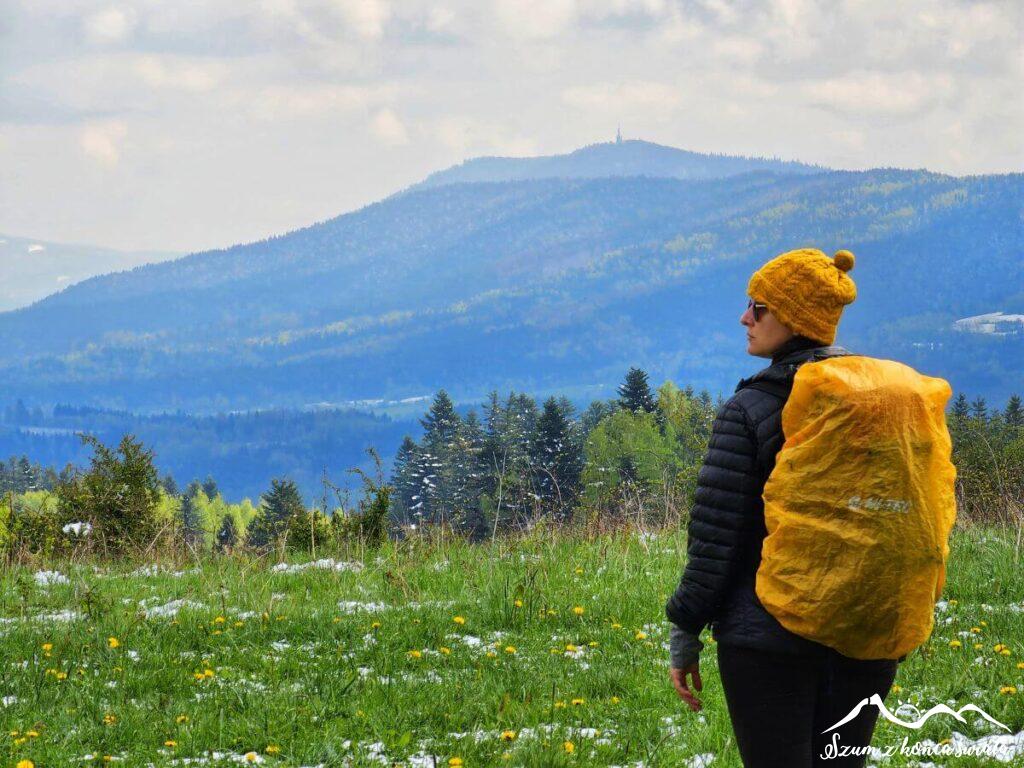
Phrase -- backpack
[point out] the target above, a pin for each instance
(859, 507)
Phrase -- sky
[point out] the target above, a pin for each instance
(186, 126)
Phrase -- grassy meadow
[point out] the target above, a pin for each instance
(544, 650)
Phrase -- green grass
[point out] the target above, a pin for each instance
(289, 668)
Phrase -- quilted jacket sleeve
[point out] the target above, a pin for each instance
(724, 514)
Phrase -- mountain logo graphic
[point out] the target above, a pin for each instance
(938, 709)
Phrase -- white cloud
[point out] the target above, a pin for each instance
(108, 26)
(387, 127)
(623, 97)
(467, 136)
(288, 103)
(164, 72)
(873, 94)
(366, 17)
(535, 19)
(740, 49)
(100, 141)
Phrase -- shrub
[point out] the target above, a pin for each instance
(119, 496)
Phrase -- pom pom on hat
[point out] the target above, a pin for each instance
(843, 260)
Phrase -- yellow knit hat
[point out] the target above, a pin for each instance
(806, 290)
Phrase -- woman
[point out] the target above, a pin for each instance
(782, 690)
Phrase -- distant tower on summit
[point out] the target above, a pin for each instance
(618, 134)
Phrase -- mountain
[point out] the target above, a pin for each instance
(619, 158)
(31, 269)
(552, 284)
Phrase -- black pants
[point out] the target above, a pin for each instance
(780, 704)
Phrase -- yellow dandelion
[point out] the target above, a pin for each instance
(1020, 665)
(109, 719)
(955, 644)
(445, 650)
(510, 649)
(975, 630)
(1006, 652)
(592, 643)
(181, 719)
(208, 672)
(113, 642)
(26, 764)
(954, 601)
(414, 654)
(492, 655)
(273, 749)
(978, 646)
(518, 603)
(238, 624)
(375, 625)
(579, 610)
(508, 735)
(569, 747)
(897, 688)
(454, 761)
(640, 635)
(577, 702)
(251, 757)
(219, 620)
(616, 625)
(998, 647)
(570, 648)
(47, 647)
(559, 704)
(579, 571)
(1008, 690)
(459, 620)
(170, 743)
(615, 699)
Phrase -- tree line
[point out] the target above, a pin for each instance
(634, 456)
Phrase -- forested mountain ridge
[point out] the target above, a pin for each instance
(537, 285)
(622, 158)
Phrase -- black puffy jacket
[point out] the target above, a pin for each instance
(727, 520)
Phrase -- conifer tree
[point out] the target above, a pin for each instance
(210, 487)
(403, 477)
(1014, 415)
(979, 409)
(635, 392)
(278, 505)
(961, 409)
(557, 457)
(227, 534)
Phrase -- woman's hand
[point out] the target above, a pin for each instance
(684, 650)
(679, 682)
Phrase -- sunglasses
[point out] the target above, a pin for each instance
(758, 308)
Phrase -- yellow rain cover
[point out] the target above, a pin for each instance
(859, 507)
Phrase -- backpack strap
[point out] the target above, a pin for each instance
(779, 389)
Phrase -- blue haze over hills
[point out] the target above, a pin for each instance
(546, 275)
